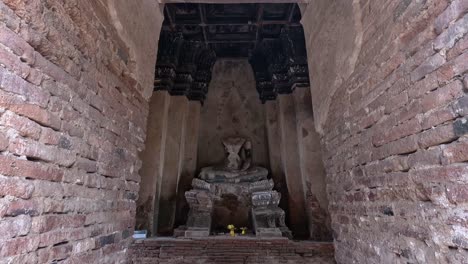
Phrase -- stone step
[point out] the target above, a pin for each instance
(230, 250)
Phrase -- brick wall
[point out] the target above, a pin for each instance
(230, 250)
(72, 120)
(393, 117)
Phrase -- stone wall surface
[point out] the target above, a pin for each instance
(232, 108)
(72, 121)
(312, 168)
(389, 83)
(238, 250)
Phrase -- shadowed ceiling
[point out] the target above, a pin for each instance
(231, 30)
(194, 36)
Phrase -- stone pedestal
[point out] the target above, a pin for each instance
(268, 219)
(245, 184)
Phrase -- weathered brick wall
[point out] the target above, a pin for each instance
(72, 120)
(230, 250)
(394, 132)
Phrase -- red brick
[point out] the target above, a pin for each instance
(41, 140)
(458, 49)
(457, 193)
(430, 82)
(424, 158)
(401, 146)
(15, 226)
(3, 142)
(460, 107)
(408, 128)
(14, 187)
(19, 245)
(84, 245)
(407, 112)
(452, 173)
(436, 136)
(15, 84)
(60, 236)
(36, 150)
(442, 96)
(465, 82)
(46, 223)
(37, 114)
(86, 165)
(58, 252)
(74, 129)
(428, 66)
(453, 12)
(455, 31)
(455, 152)
(396, 102)
(49, 136)
(437, 117)
(13, 63)
(24, 126)
(10, 19)
(29, 207)
(16, 44)
(7, 99)
(48, 189)
(459, 65)
(11, 166)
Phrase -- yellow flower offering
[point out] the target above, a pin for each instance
(231, 230)
(243, 230)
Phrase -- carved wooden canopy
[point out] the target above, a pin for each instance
(194, 35)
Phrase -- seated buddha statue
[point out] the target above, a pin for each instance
(237, 166)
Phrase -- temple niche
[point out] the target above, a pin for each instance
(237, 181)
(231, 128)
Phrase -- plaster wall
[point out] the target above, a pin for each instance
(142, 46)
(232, 108)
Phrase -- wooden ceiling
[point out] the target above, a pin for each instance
(231, 30)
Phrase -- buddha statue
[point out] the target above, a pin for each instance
(236, 166)
(237, 182)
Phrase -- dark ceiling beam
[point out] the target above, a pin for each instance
(259, 23)
(263, 23)
(291, 13)
(230, 41)
(170, 18)
(201, 10)
(233, 1)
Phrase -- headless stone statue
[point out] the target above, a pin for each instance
(233, 161)
(236, 166)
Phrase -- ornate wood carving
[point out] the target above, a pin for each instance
(168, 58)
(183, 67)
(194, 35)
(280, 65)
(206, 61)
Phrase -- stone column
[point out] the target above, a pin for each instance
(189, 164)
(172, 164)
(152, 158)
(312, 169)
(274, 151)
(291, 165)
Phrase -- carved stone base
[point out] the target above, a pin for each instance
(268, 232)
(286, 232)
(268, 218)
(183, 231)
